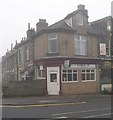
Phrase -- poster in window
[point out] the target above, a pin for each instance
(102, 49)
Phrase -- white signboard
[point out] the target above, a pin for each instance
(107, 87)
(66, 63)
(89, 66)
(102, 49)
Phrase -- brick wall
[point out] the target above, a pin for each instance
(25, 88)
(80, 88)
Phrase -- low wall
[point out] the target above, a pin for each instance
(25, 88)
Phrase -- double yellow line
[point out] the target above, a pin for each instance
(42, 105)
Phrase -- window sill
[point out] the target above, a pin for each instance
(69, 81)
(52, 54)
(40, 78)
(88, 80)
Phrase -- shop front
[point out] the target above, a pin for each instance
(68, 75)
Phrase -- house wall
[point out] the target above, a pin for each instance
(79, 88)
(24, 64)
(66, 45)
(92, 46)
(9, 67)
(40, 46)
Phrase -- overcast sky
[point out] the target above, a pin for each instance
(16, 14)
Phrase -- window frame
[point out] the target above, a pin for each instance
(39, 73)
(19, 55)
(108, 51)
(67, 75)
(80, 45)
(52, 39)
(86, 75)
(27, 53)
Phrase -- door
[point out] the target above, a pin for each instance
(53, 80)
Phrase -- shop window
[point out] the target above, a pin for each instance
(80, 45)
(88, 75)
(52, 43)
(69, 75)
(40, 72)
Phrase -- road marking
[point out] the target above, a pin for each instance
(42, 105)
(98, 115)
(48, 101)
(61, 117)
(58, 114)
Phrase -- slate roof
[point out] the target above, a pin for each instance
(62, 25)
(101, 25)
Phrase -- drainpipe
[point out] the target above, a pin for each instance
(111, 52)
(16, 61)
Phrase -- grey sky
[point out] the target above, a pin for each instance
(16, 14)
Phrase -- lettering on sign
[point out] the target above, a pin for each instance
(82, 65)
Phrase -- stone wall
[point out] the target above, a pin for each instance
(25, 88)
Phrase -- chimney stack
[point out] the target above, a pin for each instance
(28, 26)
(41, 25)
(16, 42)
(81, 7)
(11, 46)
(30, 31)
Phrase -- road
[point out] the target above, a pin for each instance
(55, 108)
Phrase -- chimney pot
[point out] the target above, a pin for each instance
(28, 26)
(81, 7)
(16, 42)
(11, 46)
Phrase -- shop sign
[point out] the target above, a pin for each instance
(66, 63)
(82, 66)
(41, 67)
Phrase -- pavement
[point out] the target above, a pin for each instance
(44, 100)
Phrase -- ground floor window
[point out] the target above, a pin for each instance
(69, 75)
(77, 75)
(40, 72)
(88, 75)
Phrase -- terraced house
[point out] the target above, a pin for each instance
(105, 45)
(65, 56)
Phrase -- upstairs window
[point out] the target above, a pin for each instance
(108, 48)
(52, 43)
(80, 45)
(20, 55)
(79, 19)
(69, 22)
(27, 53)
